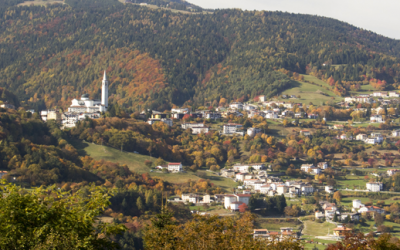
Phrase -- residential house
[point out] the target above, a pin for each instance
(393, 94)
(315, 170)
(396, 133)
(391, 172)
(262, 98)
(54, 115)
(7, 106)
(379, 94)
(180, 110)
(329, 189)
(240, 177)
(371, 209)
(352, 216)
(192, 125)
(228, 173)
(249, 107)
(305, 132)
(261, 233)
(374, 186)
(271, 116)
(338, 126)
(345, 137)
(341, 231)
(244, 168)
(298, 115)
(253, 131)
(200, 130)
(357, 204)
(236, 105)
(282, 189)
(242, 198)
(212, 115)
(312, 116)
(361, 137)
(323, 165)
(371, 141)
(194, 198)
(330, 211)
(306, 190)
(231, 128)
(306, 167)
(376, 119)
(319, 215)
(175, 167)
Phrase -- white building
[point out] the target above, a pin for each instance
(357, 204)
(200, 130)
(167, 121)
(236, 105)
(191, 125)
(361, 137)
(231, 198)
(323, 165)
(391, 172)
(393, 94)
(180, 110)
(253, 131)
(306, 167)
(231, 128)
(329, 189)
(370, 141)
(374, 186)
(175, 167)
(376, 119)
(307, 190)
(90, 106)
(244, 168)
(396, 133)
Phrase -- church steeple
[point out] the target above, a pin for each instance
(104, 91)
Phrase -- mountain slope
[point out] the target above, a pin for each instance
(156, 58)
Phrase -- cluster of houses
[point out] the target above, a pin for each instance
(310, 168)
(374, 138)
(230, 201)
(67, 119)
(369, 98)
(260, 182)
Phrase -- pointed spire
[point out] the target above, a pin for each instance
(105, 76)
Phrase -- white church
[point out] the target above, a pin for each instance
(86, 105)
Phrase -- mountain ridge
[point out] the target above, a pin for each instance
(188, 51)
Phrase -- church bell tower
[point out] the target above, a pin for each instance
(104, 91)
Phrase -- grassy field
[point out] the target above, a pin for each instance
(351, 181)
(275, 224)
(309, 92)
(42, 2)
(313, 228)
(135, 162)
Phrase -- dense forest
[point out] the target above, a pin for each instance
(156, 58)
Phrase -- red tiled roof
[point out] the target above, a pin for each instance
(243, 195)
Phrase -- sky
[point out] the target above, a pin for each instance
(379, 16)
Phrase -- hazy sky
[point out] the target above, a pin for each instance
(380, 16)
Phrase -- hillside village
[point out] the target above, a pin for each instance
(263, 179)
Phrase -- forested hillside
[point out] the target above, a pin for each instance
(157, 58)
